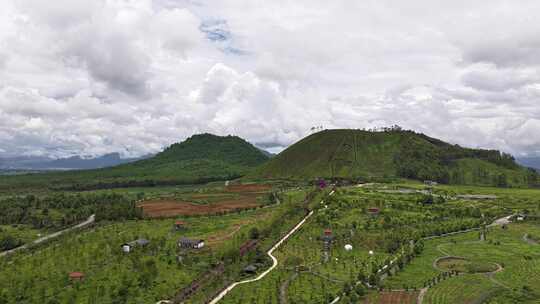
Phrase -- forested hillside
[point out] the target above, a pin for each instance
(200, 158)
(391, 153)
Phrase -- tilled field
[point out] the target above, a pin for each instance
(248, 195)
(167, 208)
(394, 297)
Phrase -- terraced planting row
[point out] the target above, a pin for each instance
(460, 289)
(520, 262)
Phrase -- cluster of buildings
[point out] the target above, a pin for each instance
(183, 243)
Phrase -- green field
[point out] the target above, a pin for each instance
(408, 212)
(303, 277)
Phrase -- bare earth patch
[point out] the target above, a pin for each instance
(168, 208)
(235, 197)
(394, 297)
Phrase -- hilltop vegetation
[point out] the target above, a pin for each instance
(200, 158)
(393, 153)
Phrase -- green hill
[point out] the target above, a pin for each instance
(200, 158)
(366, 155)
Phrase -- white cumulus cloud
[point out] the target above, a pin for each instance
(133, 76)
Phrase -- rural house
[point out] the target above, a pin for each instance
(76, 276)
(128, 247)
(250, 269)
(190, 244)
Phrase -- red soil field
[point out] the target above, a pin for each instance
(168, 208)
(394, 297)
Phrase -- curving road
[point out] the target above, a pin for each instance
(269, 253)
(88, 221)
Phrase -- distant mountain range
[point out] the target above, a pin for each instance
(531, 162)
(38, 163)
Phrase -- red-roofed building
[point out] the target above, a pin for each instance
(76, 276)
(373, 211)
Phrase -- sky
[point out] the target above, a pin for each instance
(132, 76)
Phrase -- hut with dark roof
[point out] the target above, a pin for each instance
(190, 243)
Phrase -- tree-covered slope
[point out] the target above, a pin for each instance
(200, 158)
(394, 153)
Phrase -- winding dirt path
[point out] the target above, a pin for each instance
(529, 240)
(283, 289)
(88, 221)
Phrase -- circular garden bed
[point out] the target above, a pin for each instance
(464, 265)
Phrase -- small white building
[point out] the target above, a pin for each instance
(430, 183)
(128, 247)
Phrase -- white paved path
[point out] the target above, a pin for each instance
(274, 260)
